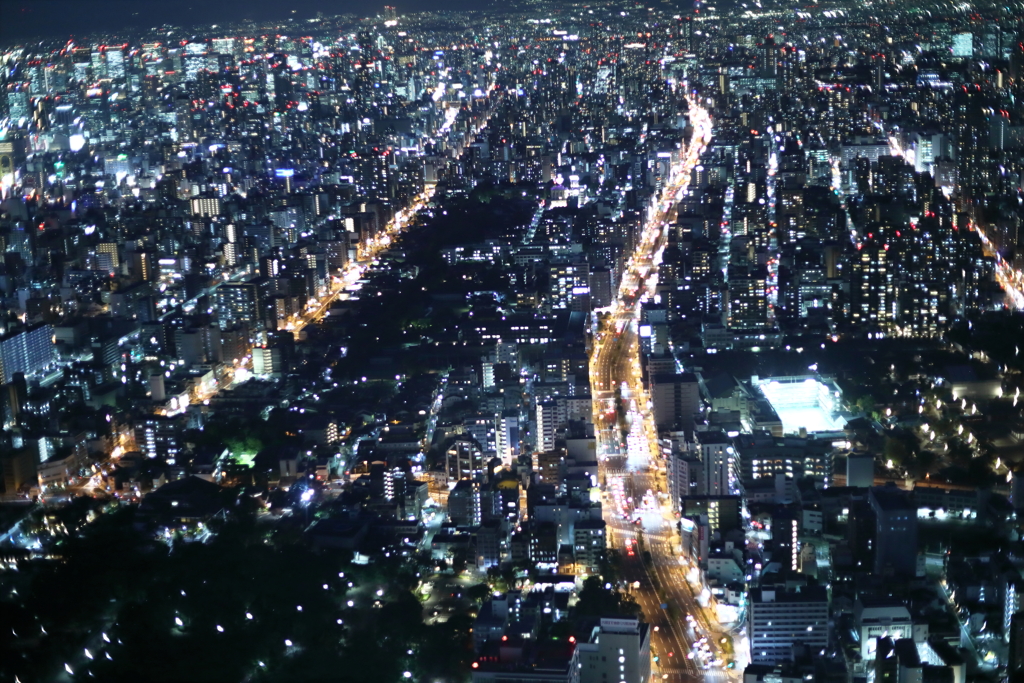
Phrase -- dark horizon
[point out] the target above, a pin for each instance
(52, 19)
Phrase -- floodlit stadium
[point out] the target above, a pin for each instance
(803, 401)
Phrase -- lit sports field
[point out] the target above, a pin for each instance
(804, 403)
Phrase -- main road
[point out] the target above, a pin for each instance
(634, 483)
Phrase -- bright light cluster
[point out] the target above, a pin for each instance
(806, 403)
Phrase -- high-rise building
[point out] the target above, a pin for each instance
(464, 460)
(143, 266)
(507, 436)
(547, 423)
(1015, 660)
(723, 513)
(115, 63)
(107, 256)
(720, 463)
(569, 281)
(872, 284)
(589, 543)
(684, 32)
(464, 505)
(158, 437)
(747, 305)
(238, 302)
(895, 532)
(12, 400)
(482, 428)
(223, 46)
(684, 474)
(786, 536)
(206, 206)
(18, 109)
(675, 398)
(765, 456)
(98, 64)
(619, 651)
(27, 351)
(779, 619)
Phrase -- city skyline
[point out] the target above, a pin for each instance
(564, 343)
(56, 19)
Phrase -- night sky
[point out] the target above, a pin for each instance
(22, 19)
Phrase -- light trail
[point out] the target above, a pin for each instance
(632, 511)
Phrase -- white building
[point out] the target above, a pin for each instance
(684, 473)
(721, 465)
(619, 651)
(877, 619)
(780, 619)
(507, 436)
(546, 414)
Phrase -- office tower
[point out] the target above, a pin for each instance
(601, 285)
(158, 437)
(872, 284)
(115, 63)
(684, 32)
(779, 619)
(464, 460)
(18, 103)
(223, 46)
(206, 206)
(238, 302)
(27, 352)
(747, 305)
(769, 58)
(568, 282)
(107, 257)
(765, 456)
(675, 398)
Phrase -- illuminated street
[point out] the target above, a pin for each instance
(629, 469)
(516, 342)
